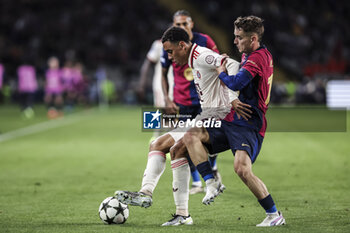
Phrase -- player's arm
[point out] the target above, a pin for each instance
(165, 84)
(242, 110)
(234, 82)
(146, 66)
(169, 104)
(230, 66)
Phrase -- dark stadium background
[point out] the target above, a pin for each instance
(55, 173)
(309, 40)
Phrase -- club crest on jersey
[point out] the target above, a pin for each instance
(209, 59)
(198, 74)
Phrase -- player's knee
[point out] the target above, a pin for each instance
(173, 152)
(242, 171)
(178, 151)
(188, 138)
(159, 145)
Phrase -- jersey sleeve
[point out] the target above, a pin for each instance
(232, 67)
(232, 95)
(252, 65)
(209, 59)
(155, 51)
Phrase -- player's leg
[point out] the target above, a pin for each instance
(158, 101)
(196, 180)
(243, 168)
(190, 112)
(49, 101)
(194, 139)
(154, 169)
(156, 162)
(28, 101)
(59, 103)
(212, 161)
(181, 180)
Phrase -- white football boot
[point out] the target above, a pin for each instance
(179, 220)
(213, 190)
(274, 219)
(133, 198)
(217, 177)
(196, 189)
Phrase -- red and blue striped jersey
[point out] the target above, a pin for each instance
(258, 67)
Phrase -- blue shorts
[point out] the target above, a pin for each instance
(234, 137)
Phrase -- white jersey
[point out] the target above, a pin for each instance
(215, 98)
(154, 55)
(211, 92)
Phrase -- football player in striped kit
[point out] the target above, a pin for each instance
(244, 138)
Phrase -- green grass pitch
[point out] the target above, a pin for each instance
(53, 180)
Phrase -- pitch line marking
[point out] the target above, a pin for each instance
(37, 128)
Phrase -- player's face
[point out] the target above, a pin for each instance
(185, 23)
(243, 41)
(176, 52)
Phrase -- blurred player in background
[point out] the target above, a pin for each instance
(2, 71)
(153, 60)
(27, 86)
(74, 84)
(80, 85)
(68, 85)
(186, 100)
(244, 138)
(53, 89)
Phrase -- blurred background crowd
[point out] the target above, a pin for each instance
(98, 46)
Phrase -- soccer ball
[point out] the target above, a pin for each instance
(111, 211)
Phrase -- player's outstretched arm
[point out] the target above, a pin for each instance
(234, 82)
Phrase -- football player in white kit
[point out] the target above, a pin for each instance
(153, 59)
(216, 104)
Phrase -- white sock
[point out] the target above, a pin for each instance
(181, 181)
(154, 170)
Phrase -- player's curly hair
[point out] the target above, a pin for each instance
(251, 24)
(175, 34)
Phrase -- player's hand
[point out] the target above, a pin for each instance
(171, 107)
(222, 67)
(242, 110)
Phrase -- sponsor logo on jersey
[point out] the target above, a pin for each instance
(188, 74)
(209, 59)
(151, 120)
(243, 144)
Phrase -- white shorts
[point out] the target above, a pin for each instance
(216, 113)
